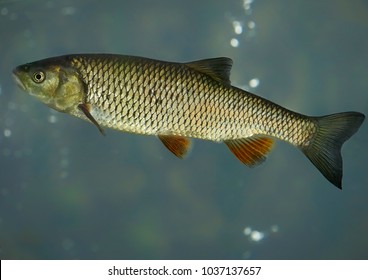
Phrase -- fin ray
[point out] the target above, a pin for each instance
(217, 68)
(178, 145)
(324, 151)
(85, 108)
(251, 151)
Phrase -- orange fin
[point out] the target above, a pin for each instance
(178, 145)
(251, 151)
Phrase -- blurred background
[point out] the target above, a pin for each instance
(66, 192)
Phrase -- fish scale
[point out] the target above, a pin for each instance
(177, 101)
(194, 107)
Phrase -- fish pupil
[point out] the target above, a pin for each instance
(39, 76)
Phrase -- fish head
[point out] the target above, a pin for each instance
(56, 84)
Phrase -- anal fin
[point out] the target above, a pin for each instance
(178, 145)
(251, 151)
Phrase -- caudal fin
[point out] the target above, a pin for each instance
(324, 150)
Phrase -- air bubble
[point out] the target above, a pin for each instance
(238, 27)
(52, 119)
(247, 230)
(7, 132)
(234, 42)
(257, 236)
(274, 228)
(247, 4)
(251, 24)
(253, 83)
(4, 11)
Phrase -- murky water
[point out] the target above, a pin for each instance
(68, 192)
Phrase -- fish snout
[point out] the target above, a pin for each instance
(17, 78)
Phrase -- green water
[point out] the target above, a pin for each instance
(66, 192)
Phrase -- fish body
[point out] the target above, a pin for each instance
(178, 101)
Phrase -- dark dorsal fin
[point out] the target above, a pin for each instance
(251, 151)
(217, 68)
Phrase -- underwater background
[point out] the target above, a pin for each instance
(66, 192)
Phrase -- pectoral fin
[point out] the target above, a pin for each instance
(251, 151)
(178, 145)
(85, 108)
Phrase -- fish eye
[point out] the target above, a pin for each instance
(39, 76)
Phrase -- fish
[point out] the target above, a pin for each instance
(178, 101)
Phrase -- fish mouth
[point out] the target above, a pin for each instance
(18, 80)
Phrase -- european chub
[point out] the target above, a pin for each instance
(178, 101)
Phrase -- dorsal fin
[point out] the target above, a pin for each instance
(250, 151)
(217, 68)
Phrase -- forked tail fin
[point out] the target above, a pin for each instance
(324, 150)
